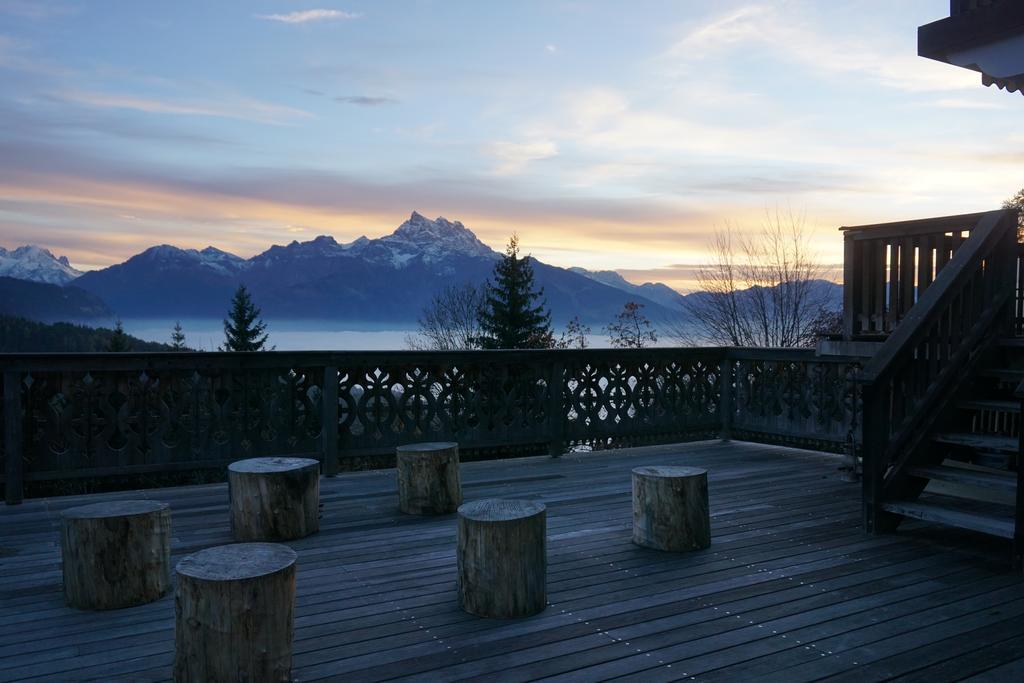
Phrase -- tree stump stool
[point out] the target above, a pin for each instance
(274, 499)
(502, 558)
(670, 508)
(234, 614)
(115, 554)
(428, 478)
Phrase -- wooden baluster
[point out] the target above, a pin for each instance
(907, 264)
(726, 407)
(925, 263)
(942, 255)
(13, 438)
(892, 310)
(878, 250)
(329, 421)
(557, 416)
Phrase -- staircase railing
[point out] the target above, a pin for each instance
(928, 356)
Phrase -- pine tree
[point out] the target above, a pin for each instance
(513, 315)
(177, 337)
(119, 341)
(244, 330)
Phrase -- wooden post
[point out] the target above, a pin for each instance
(428, 478)
(670, 508)
(274, 499)
(725, 396)
(13, 439)
(235, 614)
(329, 421)
(876, 402)
(502, 558)
(1018, 513)
(556, 410)
(116, 554)
(850, 285)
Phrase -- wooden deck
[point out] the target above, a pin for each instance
(790, 590)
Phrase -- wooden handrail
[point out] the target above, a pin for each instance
(961, 221)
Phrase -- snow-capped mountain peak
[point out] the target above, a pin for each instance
(35, 263)
(166, 256)
(432, 241)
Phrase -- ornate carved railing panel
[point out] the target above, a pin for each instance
(94, 415)
(795, 397)
(94, 419)
(911, 379)
(480, 399)
(641, 396)
(889, 267)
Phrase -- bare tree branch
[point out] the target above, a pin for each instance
(760, 290)
(450, 322)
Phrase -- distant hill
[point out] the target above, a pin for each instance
(389, 279)
(655, 291)
(18, 335)
(50, 303)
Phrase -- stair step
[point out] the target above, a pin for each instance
(982, 442)
(990, 404)
(983, 522)
(969, 477)
(1005, 374)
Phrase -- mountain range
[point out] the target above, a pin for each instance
(389, 279)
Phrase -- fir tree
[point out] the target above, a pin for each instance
(513, 315)
(119, 341)
(177, 337)
(244, 330)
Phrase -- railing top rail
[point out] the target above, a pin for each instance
(266, 359)
(914, 324)
(785, 353)
(921, 226)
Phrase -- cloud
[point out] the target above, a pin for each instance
(243, 108)
(964, 103)
(792, 37)
(364, 100)
(551, 48)
(309, 16)
(34, 9)
(513, 157)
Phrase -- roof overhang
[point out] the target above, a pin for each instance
(987, 37)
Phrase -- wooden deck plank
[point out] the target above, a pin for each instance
(376, 600)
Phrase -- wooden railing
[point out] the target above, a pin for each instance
(888, 268)
(103, 415)
(908, 384)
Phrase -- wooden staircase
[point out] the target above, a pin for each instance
(975, 485)
(942, 396)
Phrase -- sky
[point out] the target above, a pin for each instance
(608, 135)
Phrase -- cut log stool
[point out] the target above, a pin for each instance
(274, 499)
(235, 614)
(670, 508)
(502, 558)
(428, 478)
(115, 554)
